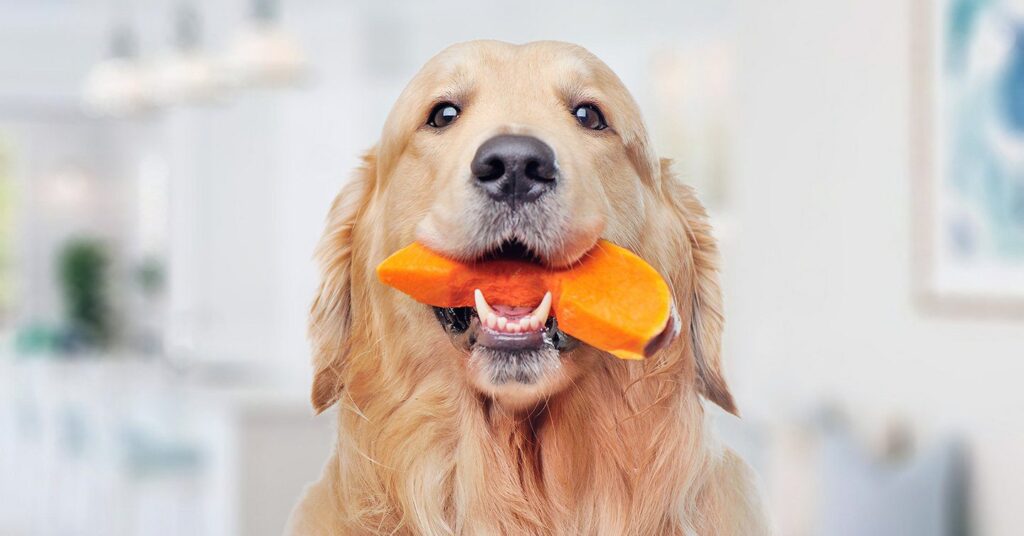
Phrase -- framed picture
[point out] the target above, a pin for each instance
(968, 154)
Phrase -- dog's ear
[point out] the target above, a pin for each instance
(705, 298)
(329, 317)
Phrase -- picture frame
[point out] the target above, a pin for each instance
(967, 157)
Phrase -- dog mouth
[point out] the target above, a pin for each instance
(504, 328)
(516, 339)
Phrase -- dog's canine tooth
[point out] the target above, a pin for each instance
(540, 314)
(483, 309)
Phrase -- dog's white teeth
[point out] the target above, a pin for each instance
(488, 317)
(540, 315)
(483, 310)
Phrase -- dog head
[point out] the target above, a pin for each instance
(529, 151)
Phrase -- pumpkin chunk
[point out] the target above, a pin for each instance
(611, 299)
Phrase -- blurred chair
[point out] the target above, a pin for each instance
(922, 495)
(820, 478)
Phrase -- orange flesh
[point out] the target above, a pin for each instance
(611, 299)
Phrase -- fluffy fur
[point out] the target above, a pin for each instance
(607, 447)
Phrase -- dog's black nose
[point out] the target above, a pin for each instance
(514, 169)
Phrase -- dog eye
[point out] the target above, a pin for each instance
(443, 115)
(590, 117)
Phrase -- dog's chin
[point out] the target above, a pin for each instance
(518, 380)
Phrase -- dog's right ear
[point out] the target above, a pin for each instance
(705, 296)
(329, 317)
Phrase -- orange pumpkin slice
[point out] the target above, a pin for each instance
(611, 299)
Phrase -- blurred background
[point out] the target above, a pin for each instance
(166, 166)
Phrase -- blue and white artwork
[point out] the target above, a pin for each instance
(978, 203)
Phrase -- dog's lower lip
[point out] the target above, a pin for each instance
(497, 340)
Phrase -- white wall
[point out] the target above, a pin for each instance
(819, 271)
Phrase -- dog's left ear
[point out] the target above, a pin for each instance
(330, 315)
(705, 299)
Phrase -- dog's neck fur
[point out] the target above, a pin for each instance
(424, 458)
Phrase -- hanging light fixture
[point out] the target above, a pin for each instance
(189, 75)
(264, 54)
(118, 85)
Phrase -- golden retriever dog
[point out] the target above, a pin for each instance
(446, 426)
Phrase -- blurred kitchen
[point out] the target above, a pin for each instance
(166, 166)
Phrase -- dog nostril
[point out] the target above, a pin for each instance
(492, 169)
(538, 172)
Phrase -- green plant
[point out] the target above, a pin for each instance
(83, 279)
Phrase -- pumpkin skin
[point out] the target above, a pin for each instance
(611, 299)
